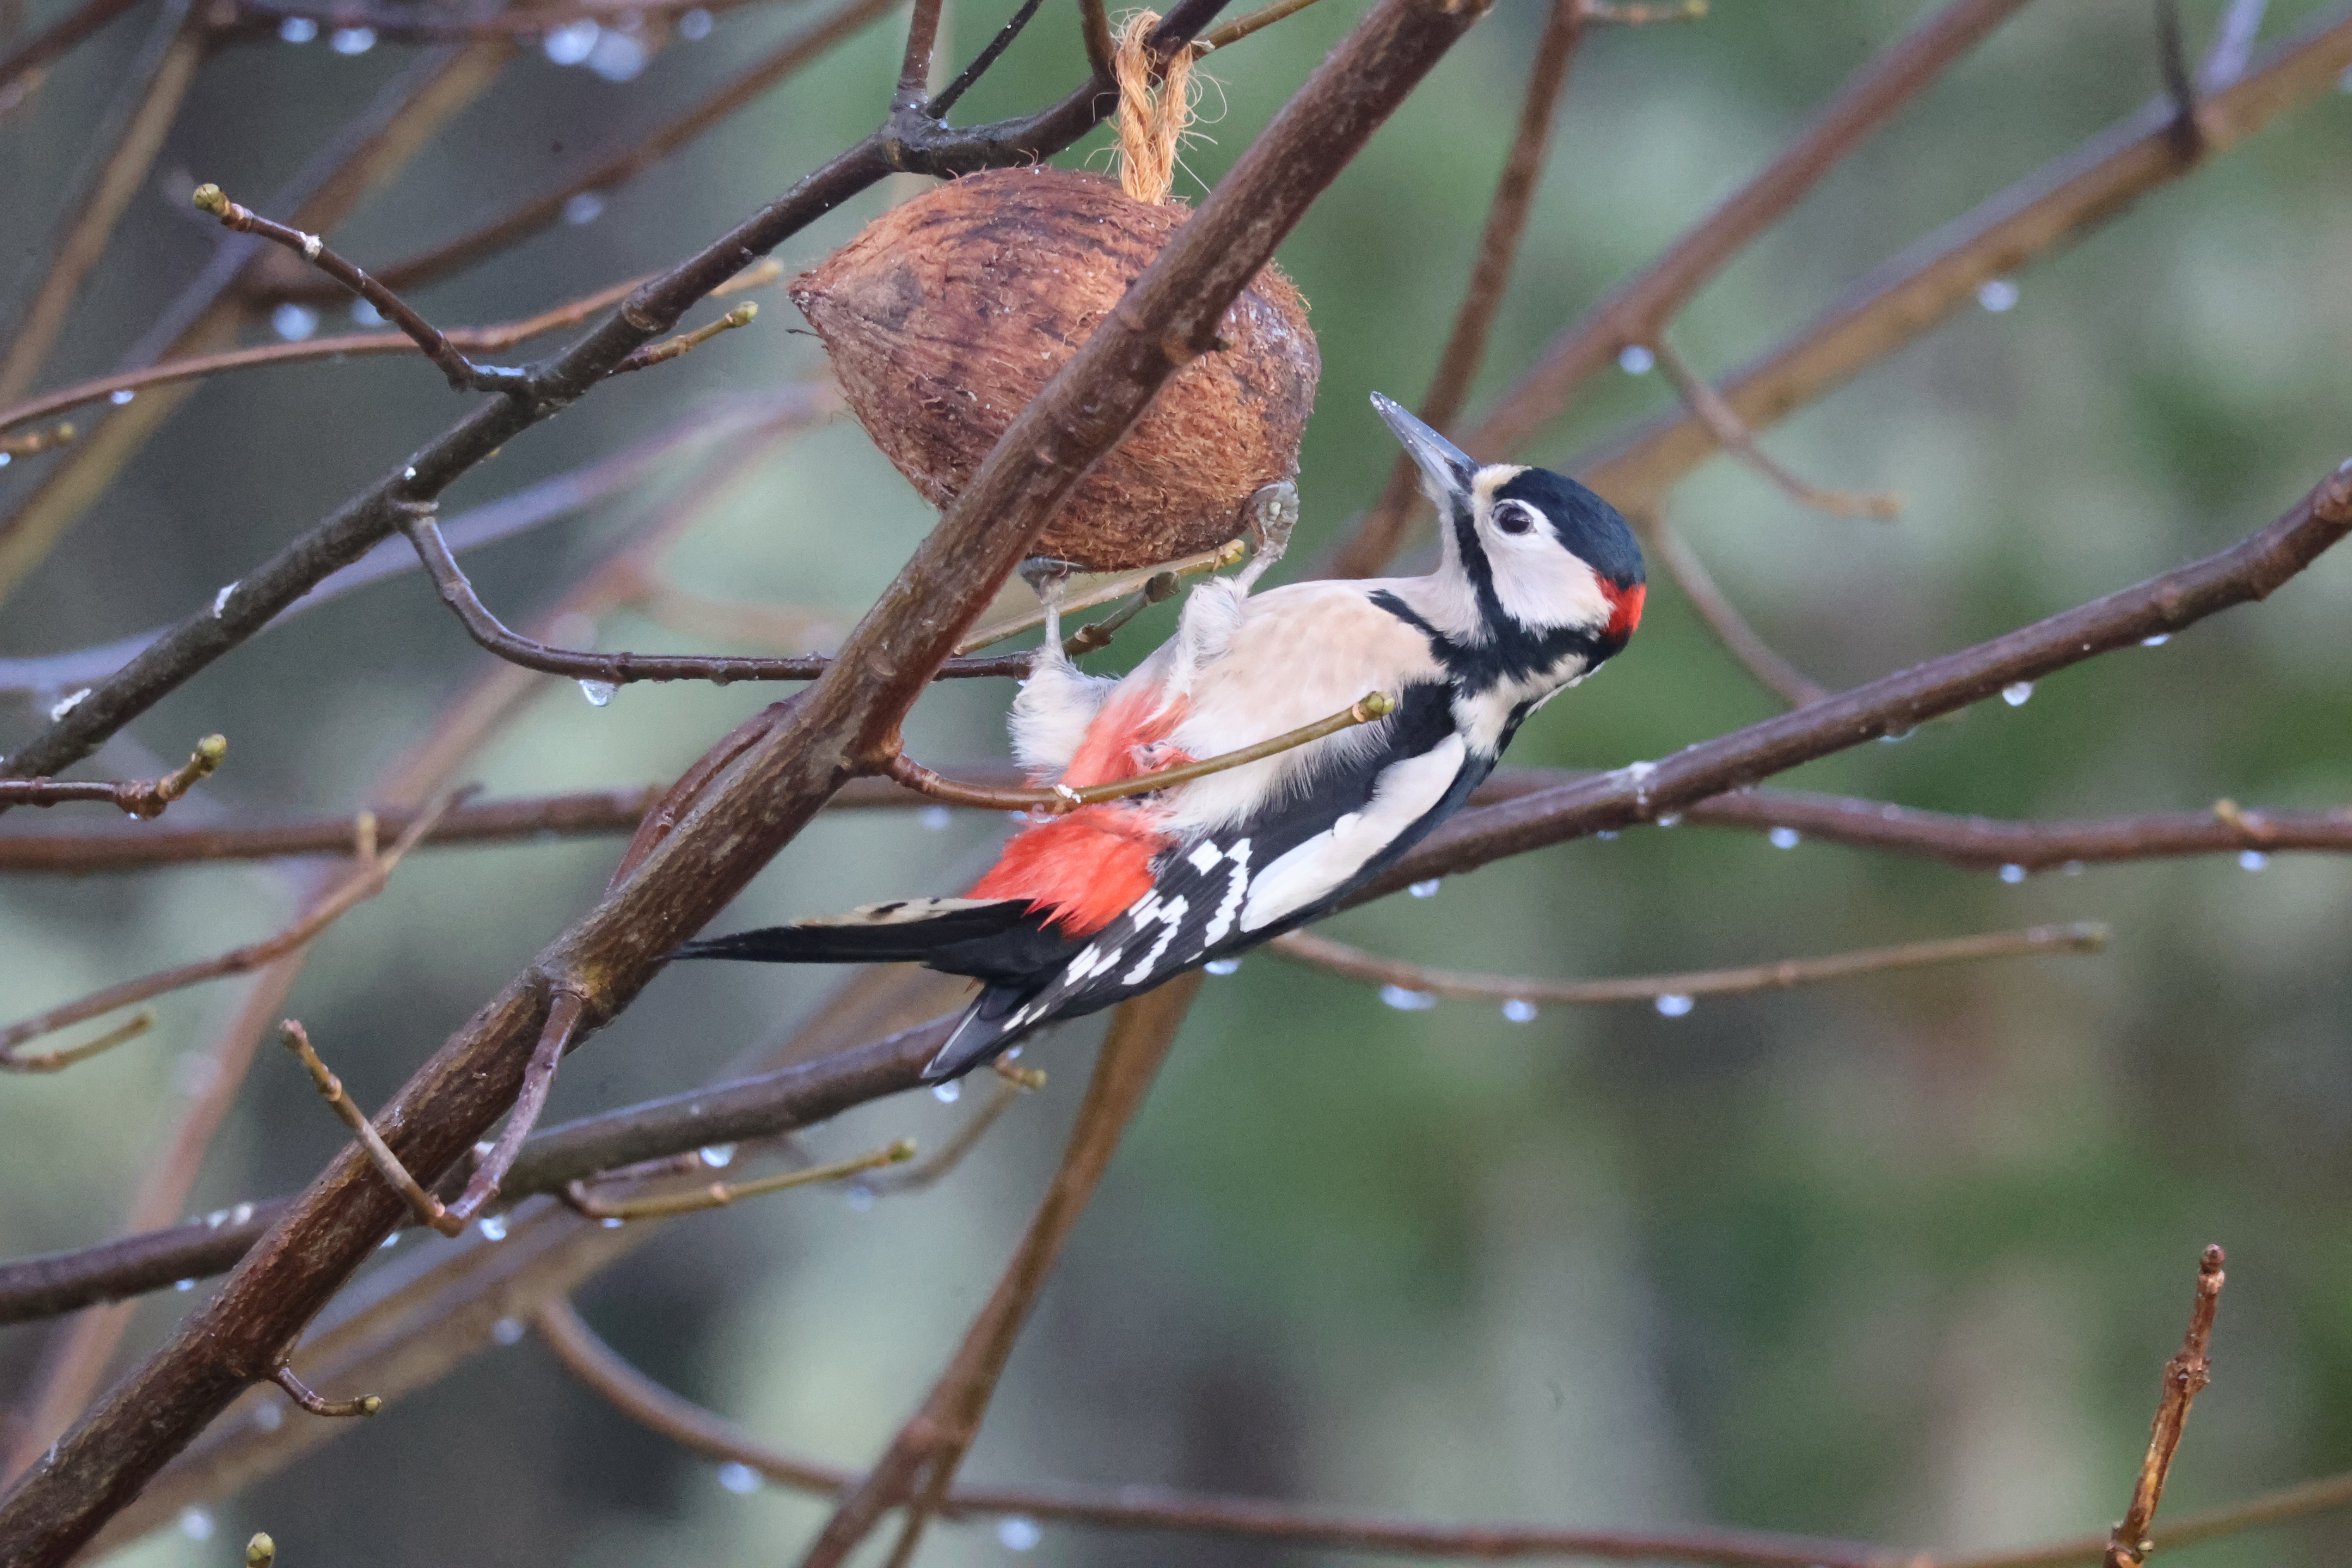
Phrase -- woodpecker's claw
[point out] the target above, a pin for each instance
(1272, 512)
(1049, 577)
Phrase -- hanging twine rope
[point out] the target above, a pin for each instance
(1150, 123)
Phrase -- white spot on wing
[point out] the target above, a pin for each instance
(1236, 889)
(1171, 915)
(1206, 857)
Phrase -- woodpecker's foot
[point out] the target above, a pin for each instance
(1270, 514)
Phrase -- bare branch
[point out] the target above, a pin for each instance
(615, 669)
(301, 1394)
(1354, 963)
(1135, 1508)
(1730, 628)
(2185, 1376)
(1723, 423)
(463, 375)
(36, 54)
(133, 798)
(718, 1194)
(355, 890)
(348, 345)
(1063, 798)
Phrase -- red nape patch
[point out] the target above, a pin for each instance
(1085, 867)
(1624, 609)
(1121, 727)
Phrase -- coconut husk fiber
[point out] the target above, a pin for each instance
(950, 312)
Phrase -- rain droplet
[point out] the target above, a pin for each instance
(738, 1478)
(297, 29)
(267, 1416)
(948, 1093)
(494, 1228)
(1997, 295)
(695, 25)
(611, 1222)
(1671, 819)
(935, 818)
(507, 1332)
(2071, 869)
(122, 398)
(718, 1156)
(1222, 966)
(1635, 359)
(2253, 860)
(1893, 737)
(1519, 1011)
(598, 692)
(215, 1219)
(2013, 874)
(1674, 1006)
(570, 43)
(196, 1524)
(6, 458)
(2016, 692)
(618, 58)
(1785, 838)
(65, 705)
(1606, 834)
(1427, 890)
(2159, 640)
(293, 322)
(860, 1197)
(586, 207)
(1017, 1533)
(241, 1213)
(185, 1285)
(1405, 1001)
(351, 41)
(365, 315)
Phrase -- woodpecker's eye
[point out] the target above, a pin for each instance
(1514, 517)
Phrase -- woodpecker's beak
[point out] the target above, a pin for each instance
(1445, 469)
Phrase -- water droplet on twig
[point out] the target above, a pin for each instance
(1673, 1004)
(2016, 693)
(1408, 1001)
(598, 692)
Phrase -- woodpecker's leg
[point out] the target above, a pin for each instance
(1273, 513)
(1050, 579)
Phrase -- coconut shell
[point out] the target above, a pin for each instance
(950, 312)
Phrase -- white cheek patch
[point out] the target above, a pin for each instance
(1312, 870)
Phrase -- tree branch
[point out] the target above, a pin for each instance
(133, 797)
(1354, 963)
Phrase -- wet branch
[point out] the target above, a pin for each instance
(1354, 963)
(624, 669)
(463, 375)
(586, 1356)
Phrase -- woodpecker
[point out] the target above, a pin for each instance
(1539, 582)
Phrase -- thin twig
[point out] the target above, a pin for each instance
(39, 52)
(1094, 29)
(237, 961)
(463, 375)
(586, 1356)
(686, 342)
(297, 1039)
(2185, 1376)
(1062, 798)
(623, 668)
(1723, 423)
(1354, 963)
(1231, 32)
(133, 798)
(318, 1404)
(398, 24)
(1378, 536)
(718, 1194)
(976, 1127)
(347, 345)
(1117, 586)
(1730, 628)
(948, 96)
(1627, 14)
(36, 441)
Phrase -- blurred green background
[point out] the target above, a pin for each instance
(1897, 1258)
